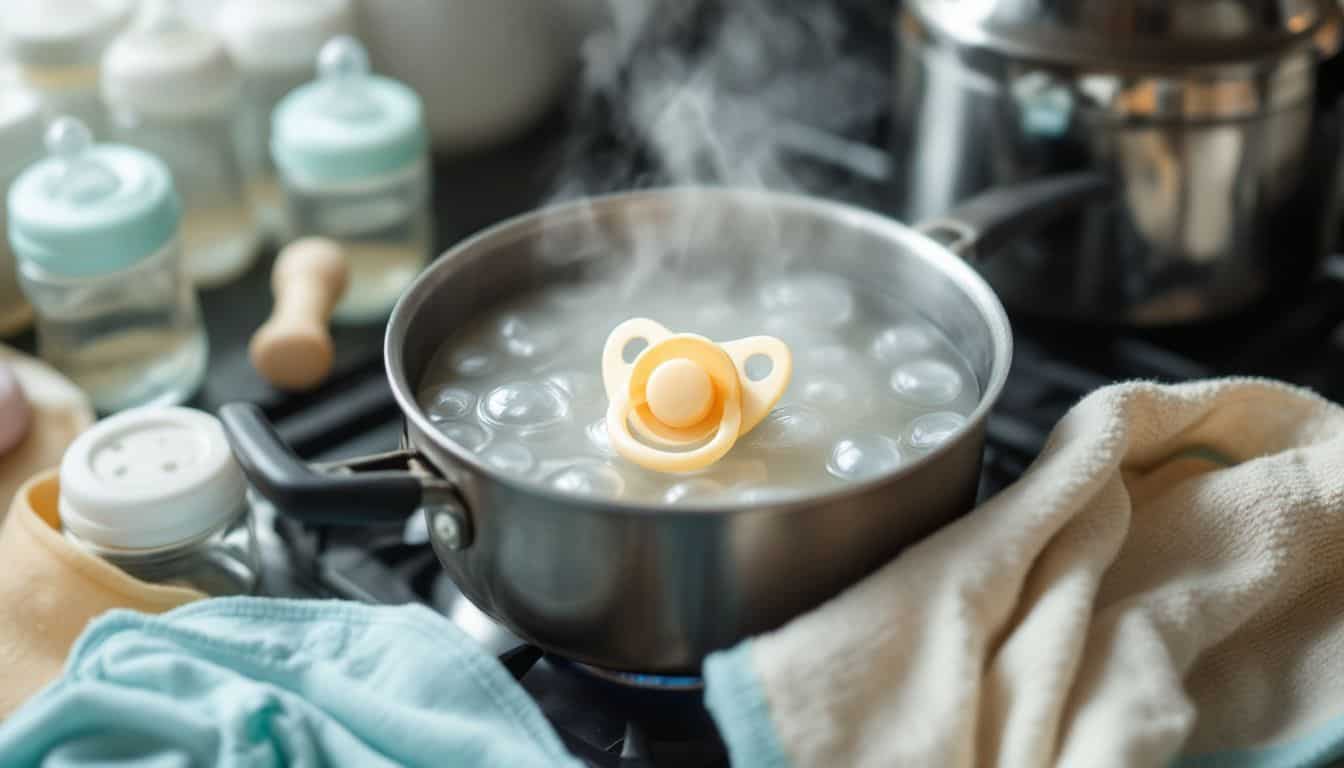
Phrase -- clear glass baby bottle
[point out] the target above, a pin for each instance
(157, 492)
(95, 233)
(171, 90)
(275, 46)
(20, 145)
(57, 45)
(352, 153)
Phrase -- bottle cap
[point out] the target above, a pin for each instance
(167, 67)
(150, 477)
(61, 33)
(348, 125)
(281, 35)
(687, 398)
(91, 210)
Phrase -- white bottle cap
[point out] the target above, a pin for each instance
(61, 33)
(167, 67)
(150, 477)
(282, 35)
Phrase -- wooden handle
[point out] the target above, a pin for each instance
(293, 348)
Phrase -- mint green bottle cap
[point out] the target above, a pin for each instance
(89, 210)
(348, 125)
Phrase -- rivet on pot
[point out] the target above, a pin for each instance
(449, 526)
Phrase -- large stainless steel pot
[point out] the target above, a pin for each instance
(651, 588)
(1208, 115)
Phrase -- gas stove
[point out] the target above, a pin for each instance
(616, 719)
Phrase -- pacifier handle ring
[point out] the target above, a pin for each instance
(628, 446)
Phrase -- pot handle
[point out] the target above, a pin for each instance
(986, 222)
(350, 498)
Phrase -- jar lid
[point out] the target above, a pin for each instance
(348, 125)
(91, 210)
(20, 127)
(61, 33)
(150, 477)
(165, 66)
(1144, 34)
(281, 35)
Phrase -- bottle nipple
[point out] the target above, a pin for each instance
(684, 401)
(80, 180)
(343, 66)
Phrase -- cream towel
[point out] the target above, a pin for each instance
(1167, 580)
(50, 589)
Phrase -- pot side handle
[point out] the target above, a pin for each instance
(300, 492)
(984, 223)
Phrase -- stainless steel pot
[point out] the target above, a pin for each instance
(651, 588)
(1208, 116)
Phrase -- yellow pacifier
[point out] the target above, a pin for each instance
(684, 390)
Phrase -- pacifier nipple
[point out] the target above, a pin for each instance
(343, 65)
(81, 180)
(683, 401)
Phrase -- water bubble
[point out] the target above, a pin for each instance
(864, 456)
(524, 405)
(765, 495)
(450, 404)
(898, 343)
(472, 363)
(927, 382)
(788, 426)
(829, 358)
(811, 298)
(587, 477)
(473, 437)
(582, 387)
(933, 429)
(693, 490)
(853, 397)
(527, 339)
(598, 437)
(510, 458)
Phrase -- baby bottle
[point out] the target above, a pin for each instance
(57, 44)
(352, 154)
(275, 46)
(95, 233)
(172, 91)
(157, 492)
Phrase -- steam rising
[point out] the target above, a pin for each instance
(719, 92)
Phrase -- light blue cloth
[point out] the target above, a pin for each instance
(266, 682)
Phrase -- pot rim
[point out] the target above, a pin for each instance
(934, 254)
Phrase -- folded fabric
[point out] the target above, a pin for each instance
(1165, 583)
(51, 589)
(248, 681)
(60, 411)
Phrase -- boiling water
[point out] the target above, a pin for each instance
(873, 388)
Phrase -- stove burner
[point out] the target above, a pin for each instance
(645, 682)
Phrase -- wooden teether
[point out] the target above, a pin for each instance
(685, 392)
(293, 349)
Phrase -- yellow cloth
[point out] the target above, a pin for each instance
(60, 413)
(50, 589)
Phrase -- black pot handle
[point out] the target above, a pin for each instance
(300, 492)
(986, 222)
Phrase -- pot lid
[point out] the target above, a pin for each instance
(1148, 33)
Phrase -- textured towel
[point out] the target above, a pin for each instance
(60, 413)
(257, 682)
(50, 589)
(1165, 583)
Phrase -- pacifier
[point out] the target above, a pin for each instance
(684, 390)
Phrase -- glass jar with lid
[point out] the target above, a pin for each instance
(275, 46)
(20, 145)
(157, 492)
(171, 90)
(352, 153)
(57, 45)
(95, 233)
